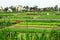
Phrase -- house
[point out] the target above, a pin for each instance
(26, 8)
(1, 9)
(41, 9)
(19, 8)
(32, 9)
(9, 10)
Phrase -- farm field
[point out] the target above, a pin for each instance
(37, 19)
(29, 34)
(30, 26)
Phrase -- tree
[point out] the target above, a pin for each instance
(56, 8)
(5, 9)
(44, 9)
(36, 8)
(13, 8)
(51, 8)
(39, 10)
(26, 8)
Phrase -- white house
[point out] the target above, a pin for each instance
(9, 10)
(41, 9)
(1, 9)
(19, 8)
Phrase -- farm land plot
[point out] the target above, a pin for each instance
(30, 26)
(32, 19)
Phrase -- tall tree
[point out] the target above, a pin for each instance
(5, 9)
(56, 8)
(27, 8)
(51, 8)
(36, 8)
(13, 8)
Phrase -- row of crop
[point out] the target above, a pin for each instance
(6, 24)
(33, 17)
(18, 35)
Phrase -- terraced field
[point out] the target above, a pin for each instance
(33, 19)
(30, 26)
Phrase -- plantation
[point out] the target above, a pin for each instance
(30, 26)
(38, 19)
(29, 20)
(29, 34)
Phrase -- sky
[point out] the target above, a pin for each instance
(30, 3)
